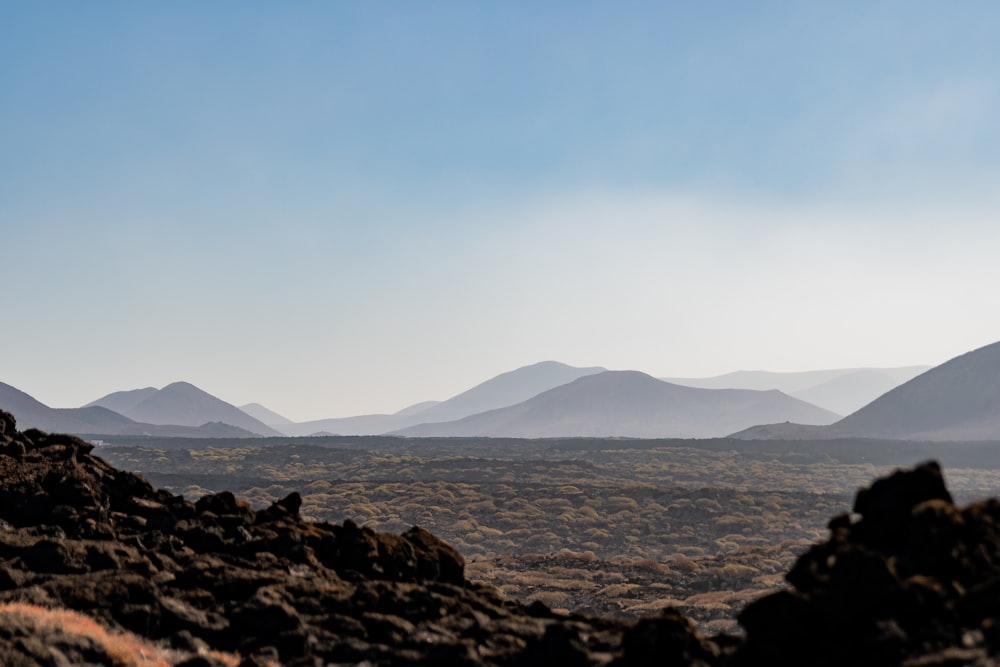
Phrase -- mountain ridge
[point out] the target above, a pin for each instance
(957, 400)
(98, 420)
(182, 404)
(840, 390)
(498, 391)
(130, 571)
(265, 415)
(625, 404)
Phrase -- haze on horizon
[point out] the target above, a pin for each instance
(341, 208)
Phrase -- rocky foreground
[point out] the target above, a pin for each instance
(98, 567)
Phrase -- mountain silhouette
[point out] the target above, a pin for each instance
(97, 420)
(958, 400)
(32, 413)
(266, 416)
(506, 389)
(415, 408)
(629, 404)
(25, 407)
(846, 393)
(182, 404)
(840, 390)
(500, 391)
(122, 401)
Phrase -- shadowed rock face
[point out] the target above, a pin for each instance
(79, 534)
(914, 581)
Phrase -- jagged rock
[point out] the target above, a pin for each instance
(8, 425)
(79, 534)
(668, 639)
(904, 581)
(914, 580)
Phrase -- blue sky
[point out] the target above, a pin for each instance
(334, 208)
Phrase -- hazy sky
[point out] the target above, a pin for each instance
(344, 207)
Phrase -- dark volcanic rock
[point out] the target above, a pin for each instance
(912, 580)
(906, 581)
(77, 534)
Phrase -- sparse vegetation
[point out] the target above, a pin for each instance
(63, 630)
(611, 529)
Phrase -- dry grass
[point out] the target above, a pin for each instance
(123, 648)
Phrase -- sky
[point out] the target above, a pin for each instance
(337, 208)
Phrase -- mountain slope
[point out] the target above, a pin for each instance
(264, 415)
(121, 401)
(415, 408)
(500, 391)
(98, 420)
(22, 405)
(184, 404)
(358, 425)
(846, 393)
(958, 400)
(32, 413)
(506, 389)
(630, 403)
(841, 390)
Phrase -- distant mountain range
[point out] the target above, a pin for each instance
(842, 390)
(958, 400)
(505, 389)
(98, 420)
(265, 416)
(180, 403)
(629, 404)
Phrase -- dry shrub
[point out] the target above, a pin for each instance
(684, 564)
(690, 550)
(618, 590)
(124, 648)
(653, 606)
(479, 568)
(732, 571)
(581, 556)
(531, 579)
(649, 565)
(611, 577)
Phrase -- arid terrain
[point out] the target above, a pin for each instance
(615, 527)
(100, 567)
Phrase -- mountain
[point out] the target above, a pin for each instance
(262, 414)
(958, 400)
(841, 390)
(25, 407)
(506, 389)
(415, 408)
(784, 431)
(630, 404)
(375, 424)
(846, 393)
(184, 404)
(501, 391)
(86, 576)
(98, 420)
(122, 401)
(32, 413)
(358, 425)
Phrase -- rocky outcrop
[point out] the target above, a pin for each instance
(908, 579)
(77, 534)
(914, 581)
